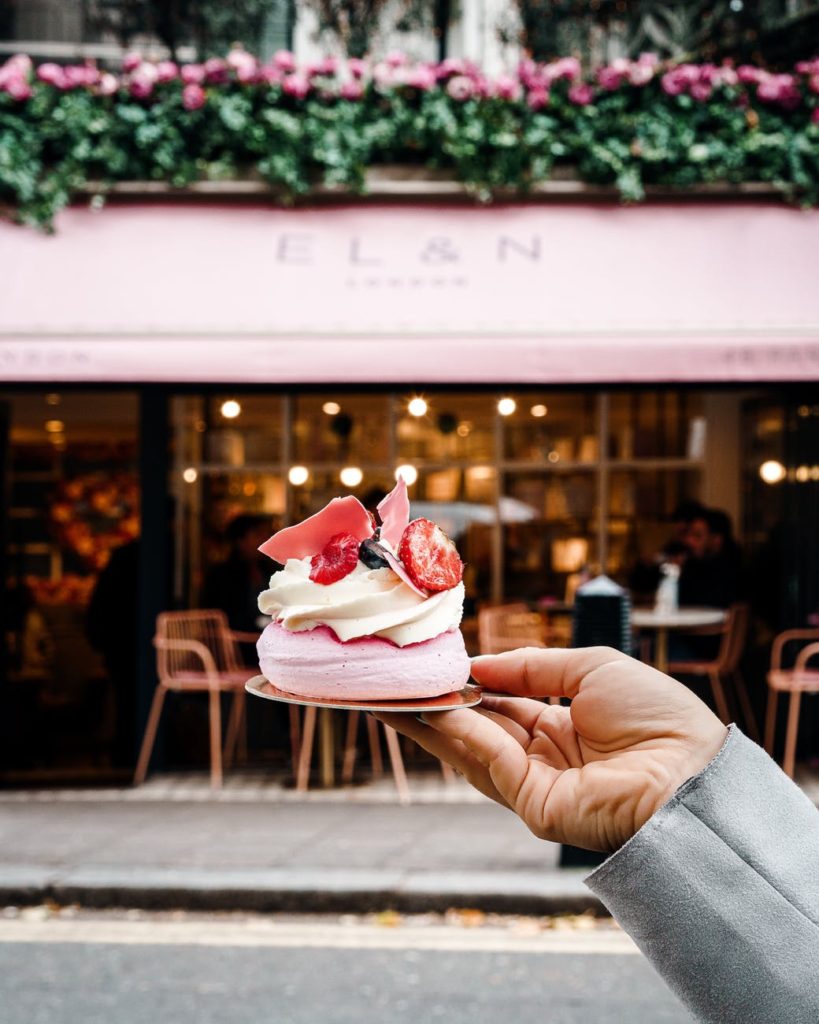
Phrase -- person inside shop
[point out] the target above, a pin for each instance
(234, 585)
(645, 576)
(713, 866)
(711, 574)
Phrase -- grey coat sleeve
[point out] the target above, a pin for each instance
(720, 890)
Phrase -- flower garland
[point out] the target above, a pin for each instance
(630, 124)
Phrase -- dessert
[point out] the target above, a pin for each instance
(364, 610)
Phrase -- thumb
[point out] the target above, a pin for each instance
(542, 672)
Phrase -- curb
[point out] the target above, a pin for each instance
(297, 893)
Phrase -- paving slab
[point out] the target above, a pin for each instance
(315, 855)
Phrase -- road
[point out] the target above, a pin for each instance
(70, 967)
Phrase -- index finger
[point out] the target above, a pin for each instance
(542, 672)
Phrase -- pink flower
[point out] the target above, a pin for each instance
(421, 77)
(813, 83)
(18, 88)
(193, 96)
(351, 90)
(216, 70)
(780, 89)
(748, 74)
(581, 94)
(451, 66)
(357, 67)
(395, 58)
(640, 74)
(19, 64)
(284, 60)
(131, 61)
(808, 67)
(814, 116)
(538, 98)
(609, 78)
(75, 76)
(270, 74)
(460, 88)
(673, 84)
(142, 80)
(51, 74)
(166, 71)
(192, 74)
(296, 85)
(650, 59)
(108, 84)
(725, 76)
(507, 88)
(567, 68)
(385, 75)
(325, 66)
(701, 91)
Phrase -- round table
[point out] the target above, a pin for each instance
(681, 619)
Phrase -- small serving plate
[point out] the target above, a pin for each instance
(468, 697)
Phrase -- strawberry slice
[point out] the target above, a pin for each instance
(429, 556)
(337, 559)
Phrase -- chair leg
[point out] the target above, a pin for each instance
(350, 750)
(295, 735)
(375, 746)
(720, 699)
(789, 760)
(234, 727)
(215, 715)
(400, 775)
(306, 750)
(149, 739)
(741, 691)
(770, 720)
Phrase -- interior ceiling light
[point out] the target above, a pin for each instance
(230, 409)
(408, 473)
(539, 411)
(351, 476)
(331, 408)
(54, 426)
(189, 475)
(772, 471)
(506, 406)
(298, 475)
(417, 406)
(53, 398)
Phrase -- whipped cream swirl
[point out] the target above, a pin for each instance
(367, 602)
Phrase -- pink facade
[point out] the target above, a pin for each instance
(526, 294)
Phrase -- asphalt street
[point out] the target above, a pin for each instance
(138, 968)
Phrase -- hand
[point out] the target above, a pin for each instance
(590, 774)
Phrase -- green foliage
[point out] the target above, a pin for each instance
(58, 142)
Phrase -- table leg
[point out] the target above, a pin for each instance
(327, 748)
(661, 652)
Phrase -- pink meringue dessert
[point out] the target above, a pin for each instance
(363, 611)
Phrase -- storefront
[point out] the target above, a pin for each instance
(552, 381)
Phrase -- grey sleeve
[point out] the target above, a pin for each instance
(720, 890)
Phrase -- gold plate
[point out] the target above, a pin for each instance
(468, 697)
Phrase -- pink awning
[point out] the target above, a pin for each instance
(427, 294)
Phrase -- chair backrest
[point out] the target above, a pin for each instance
(509, 626)
(789, 636)
(208, 627)
(733, 638)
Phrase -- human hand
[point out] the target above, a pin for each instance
(590, 774)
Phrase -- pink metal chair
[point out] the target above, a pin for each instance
(198, 653)
(509, 626)
(795, 681)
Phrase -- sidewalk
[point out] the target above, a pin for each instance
(255, 846)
